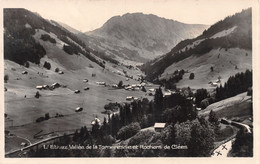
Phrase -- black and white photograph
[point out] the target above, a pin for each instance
(129, 79)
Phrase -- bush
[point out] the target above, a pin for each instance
(211, 69)
(191, 76)
(200, 95)
(57, 70)
(40, 119)
(26, 64)
(143, 89)
(120, 84)
(47, 65)
(69, 49)
(204, 103)
(37, 95)
(47, 116)
(46, 37)
(6, 78)
(128, 131)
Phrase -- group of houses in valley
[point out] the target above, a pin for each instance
(49, 87)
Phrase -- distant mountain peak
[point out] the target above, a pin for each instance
(147, 34)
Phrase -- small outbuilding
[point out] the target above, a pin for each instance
(24, 72)
(158, 127)
(61, 72)
(39, 87)
(77, 91)
(78, 109)
(129, 98)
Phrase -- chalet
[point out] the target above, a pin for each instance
(166, 94)
(86, 88)
(23, 144)
(213, 84)
(39, 87)
(152, 90)
(133, 85)
(136, 88)
(45, 86)
(56, 85)
(101, 83)
(143, 84)
(78, 109)
(61, 72)
(129, 98)
(128, 88)
(24, 72)
(158, 127)
(136, 98)
(198, 109)
(85, 80)
(96, 121)
(77, 91)
(114, 85)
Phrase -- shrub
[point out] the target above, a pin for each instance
(47, 116)
(57, 69)
(120, 84)
(200, 95)
(191, 76)
(46, 37)
(26, 64)
(143, 89)
(37, 95)
(211, 69)
(6, 78)
(40, 119)
(128, 131)
(69, 49)
(47, 65)
(204, 103)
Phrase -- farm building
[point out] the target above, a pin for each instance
(55, 85)
(101, 83)
(86, 88)
(96, 121)
(78, 109)
(114, 85)
(39, 87)
(166, 94)
(158, 127)
(24, 72)
(77, 91)
(129, 98)
(61, 72)
(128, 88)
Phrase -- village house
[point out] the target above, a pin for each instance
(78, 109)
(158, 127)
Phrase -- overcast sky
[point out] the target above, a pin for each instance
(87, 15)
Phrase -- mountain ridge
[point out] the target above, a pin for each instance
(147, 34)
(233, 32)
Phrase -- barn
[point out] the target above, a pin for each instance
(158, 127)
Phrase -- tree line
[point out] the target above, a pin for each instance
(235, 85)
